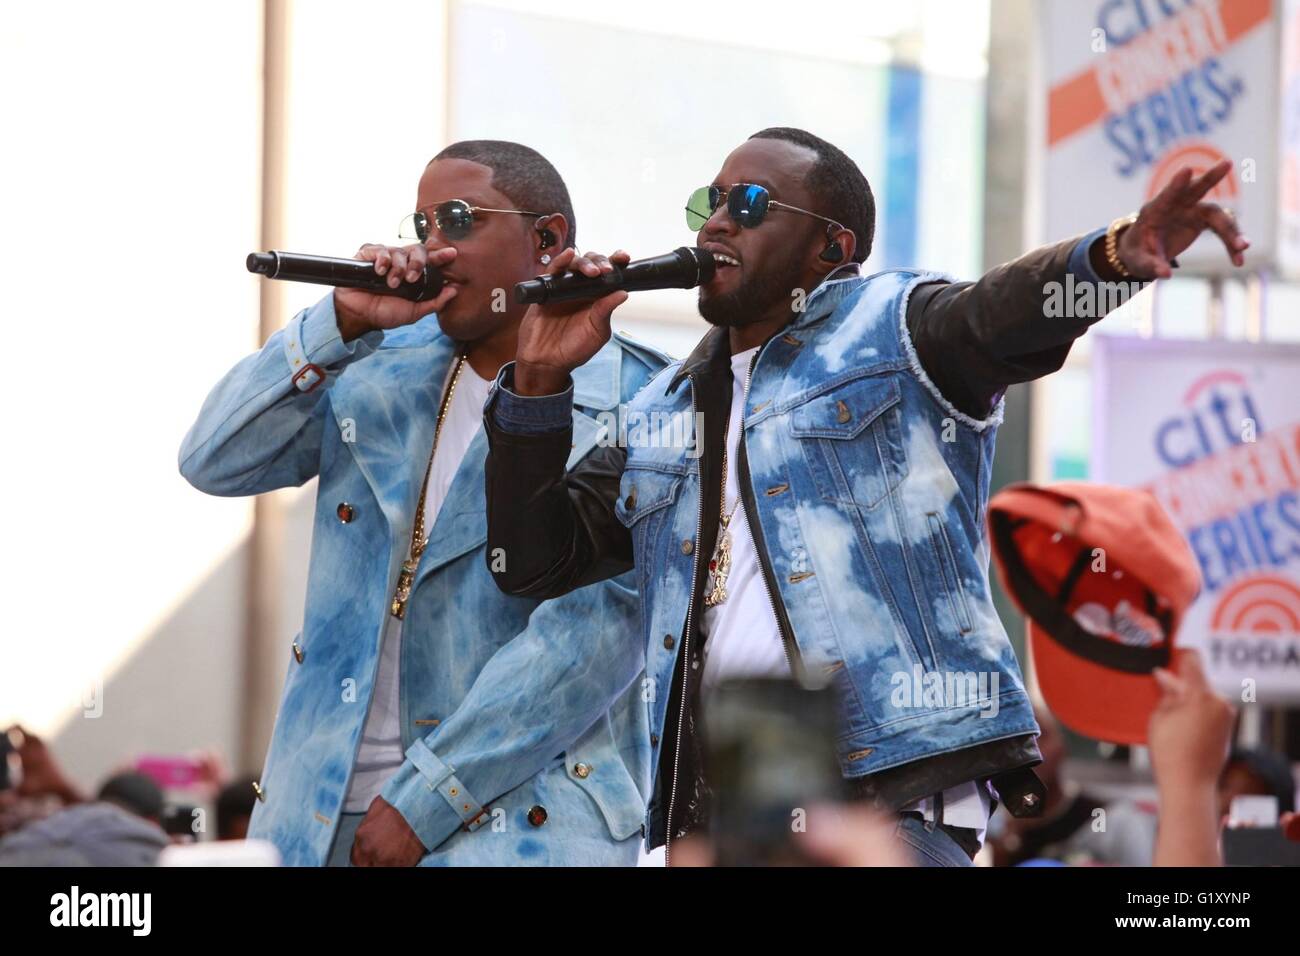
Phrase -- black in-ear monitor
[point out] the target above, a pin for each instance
(833, 251)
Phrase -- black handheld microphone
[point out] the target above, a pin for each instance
(684, 269)
(342, 273)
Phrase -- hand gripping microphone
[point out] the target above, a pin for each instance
(342, 274)
(684, 269)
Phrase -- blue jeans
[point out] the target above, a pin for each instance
(341, 850)
(929, 845)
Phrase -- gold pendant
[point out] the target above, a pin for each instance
(403, 592)
(719, 567)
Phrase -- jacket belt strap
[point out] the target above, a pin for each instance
(442, 778)
(306, 375)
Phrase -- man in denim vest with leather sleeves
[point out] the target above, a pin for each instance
(833, 525)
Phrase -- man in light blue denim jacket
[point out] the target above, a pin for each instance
(427, 717)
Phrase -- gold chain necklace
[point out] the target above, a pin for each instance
(418, 539)
(720, 563)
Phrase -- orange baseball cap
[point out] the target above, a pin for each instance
(1104, 577)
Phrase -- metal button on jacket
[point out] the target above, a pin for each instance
(345, 512)
(669, 641)
(582, 770)
(537, 815)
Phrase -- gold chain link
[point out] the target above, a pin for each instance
(418, 539)
(720, 563)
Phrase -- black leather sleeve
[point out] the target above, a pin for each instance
(975, 338)
(550, 532)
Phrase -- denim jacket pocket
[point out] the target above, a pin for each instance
(643, 490)
(594, 765)
(645, 495)
(852, 439)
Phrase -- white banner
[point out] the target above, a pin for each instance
(1213, 430)
(1138, 89)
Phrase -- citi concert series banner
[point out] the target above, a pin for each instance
(1137, 89)
(1212, 429)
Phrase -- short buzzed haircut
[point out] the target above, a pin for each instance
(523, 174)
(838, 184)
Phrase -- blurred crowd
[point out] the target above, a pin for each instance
(47, 819)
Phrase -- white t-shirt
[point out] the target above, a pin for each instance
(743, 638)
(380, 753)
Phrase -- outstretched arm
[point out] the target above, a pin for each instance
(973, 339)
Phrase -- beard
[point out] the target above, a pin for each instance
(753, 298)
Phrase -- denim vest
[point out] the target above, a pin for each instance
(870, 491)
(514, 755)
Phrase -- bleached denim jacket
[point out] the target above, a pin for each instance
(504, 701)
(868, 490)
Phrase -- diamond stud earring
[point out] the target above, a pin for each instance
(545, 259)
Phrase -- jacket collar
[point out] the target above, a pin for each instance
(598, 384)
(390, 403)
(461, 525)
(826, 298)
(714, 350)
(706, 359)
